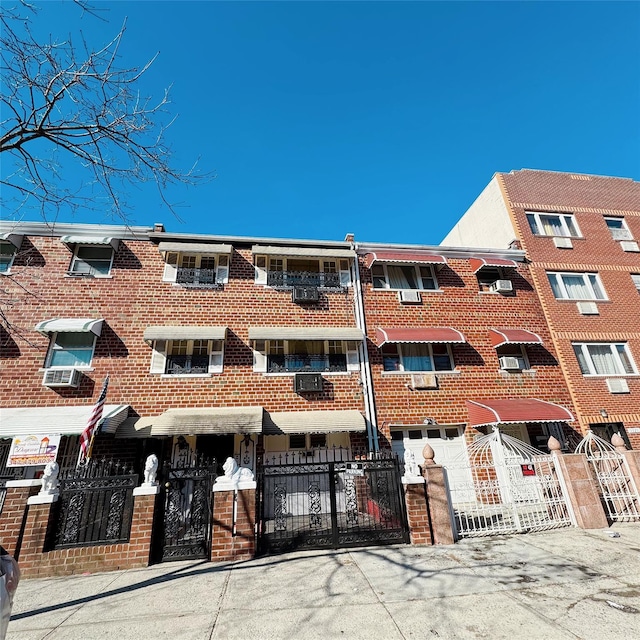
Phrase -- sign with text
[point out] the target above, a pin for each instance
(33, 449)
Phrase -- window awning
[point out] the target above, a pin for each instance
(305, 333)
(413, 257)
(114, 242)
(68, 421)
(184, 333)
(201, 248)
(500, 337)
(302, 252)
(418, 334)
(198, 421)
(514, 410)
(14, 238)
(313, 422)
(70, 325)
(478, 262)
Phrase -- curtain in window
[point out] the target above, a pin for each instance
(402, 277)
(551, 225)
(603, 359)
(577, 288)
(415, 357)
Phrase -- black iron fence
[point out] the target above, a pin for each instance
(303, 279)
(95, 505)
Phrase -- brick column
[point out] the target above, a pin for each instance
(12, 519)
(415, 497)
(229, 542)
(144, 504)
(35, 532)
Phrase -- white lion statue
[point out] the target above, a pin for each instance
(233, 474)
(50, 478)
(150, 471)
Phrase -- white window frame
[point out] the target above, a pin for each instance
(587, 281)
(307, 442)
(562, 217)
(262, 266)
(625, 232)
(262, 349)
(583, 347)
(418, 276)
(173, 262)
(9, 263)
(161, 351)
(76, 260)
(635, 278)
(52, 349)
(429, 346)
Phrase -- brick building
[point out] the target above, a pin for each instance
(580, 234)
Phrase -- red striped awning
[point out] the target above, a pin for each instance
(513, 336)
(478, 262)
(410, 257)
(513, 410)
(418, 334)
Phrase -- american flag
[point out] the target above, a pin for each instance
(94, 418)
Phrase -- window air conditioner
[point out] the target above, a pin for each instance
(307, 382)
(501, 286)
(630, 246)
(618, 385)
(409, 295)
(304, 294)
(424, 381)
(61, 378)
(563, 243)
(588, 308)
(509, 362)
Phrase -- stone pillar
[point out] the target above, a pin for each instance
(581, 488)
(12, 520)
(415, 497)
(442, 529)
(633, 461)
(233, 535)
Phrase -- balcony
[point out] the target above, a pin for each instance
(187, 365)
(288, 279)
(201, 278)
(305, 363)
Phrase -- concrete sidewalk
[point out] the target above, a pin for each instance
(559, 584)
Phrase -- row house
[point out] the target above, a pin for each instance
(580, 234)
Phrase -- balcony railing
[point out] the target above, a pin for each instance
(303, 279)
(205, 278)
(187, 365)
(298, 363)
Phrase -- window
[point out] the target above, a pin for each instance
(607, 358)
(576, 286)
(196, 270)
(635, 277)
(305, 272)
(307, 441)
(403, 276)
(553, 224)
(618, 228)
(7, 254)
(515, 351)
(297, 356)
(91, 260)
(71, 349)
(417, 357)
(187, 357)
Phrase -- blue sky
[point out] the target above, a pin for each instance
(381, 119)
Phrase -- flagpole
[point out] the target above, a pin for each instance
(89, 433)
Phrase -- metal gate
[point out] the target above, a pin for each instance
(507, 486)
(618, 491)
(185, 530)
(331, 504)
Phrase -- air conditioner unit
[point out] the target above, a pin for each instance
(630, 246)
(424, 381)
(588, 308)
(61, 378)
(305, 294)
(618, 385)
(509, 362)
(501, 286)
(307, 382)
(563, 243)
(409, 295)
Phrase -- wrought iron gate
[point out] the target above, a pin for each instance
(507, 487)
(186, 518)
(331, 504)
(618, 492)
